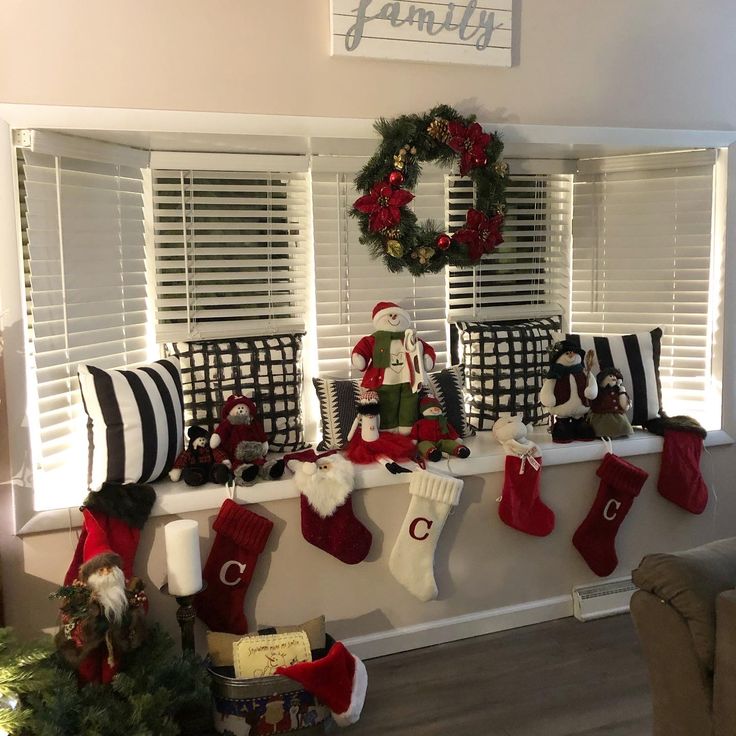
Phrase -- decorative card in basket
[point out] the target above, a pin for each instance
(260, 656)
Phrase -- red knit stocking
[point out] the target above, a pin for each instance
(339, 534)
(521, 507)
(680, 480)
(595, 538)
(241, 537)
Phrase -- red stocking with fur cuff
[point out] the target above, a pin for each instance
(680, 480)
(520, 507)
(241, 537)
(328, 521)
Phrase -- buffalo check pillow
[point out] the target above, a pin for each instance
(504, 367)
(135, 421)
(637, 357)
(338, 398)
(266, 369)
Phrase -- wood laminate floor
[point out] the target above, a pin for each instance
(562, 678)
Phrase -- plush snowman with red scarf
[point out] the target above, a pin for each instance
(394, 362)
(567, 391)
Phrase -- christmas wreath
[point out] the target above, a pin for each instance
(391, 230)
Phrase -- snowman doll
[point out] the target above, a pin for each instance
(567, 390)
(394, 363)
(608, 410)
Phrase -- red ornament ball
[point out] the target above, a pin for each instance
(443, 241)
(480, 159)
(396, 178)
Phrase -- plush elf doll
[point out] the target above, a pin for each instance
(367, 444)
(608, 410)
(241, 437)
(567, 390)
(199, 463)
(434, 434)
(395, 363)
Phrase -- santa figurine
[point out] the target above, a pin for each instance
(367, 444)
(567, 391)
(434, 434)
(199, 463)
(394, 363)
(608, 410)
(102, 605)
(241, 437)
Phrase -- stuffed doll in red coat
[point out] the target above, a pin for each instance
(394, 362)
(434, 434)
(241, 437)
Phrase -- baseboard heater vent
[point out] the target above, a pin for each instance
(602, 599)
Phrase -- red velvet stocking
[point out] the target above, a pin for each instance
(521, 507)
(595, 538)
(680, 480)
(241, 537)
(340, 534)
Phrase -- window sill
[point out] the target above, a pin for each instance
(486, 457)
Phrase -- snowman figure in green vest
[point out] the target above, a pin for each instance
(567, 390)
(395, 364)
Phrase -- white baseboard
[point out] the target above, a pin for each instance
(443, 630)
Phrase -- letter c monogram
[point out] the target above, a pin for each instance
(413, 528)
(223, 572)
(607, 509)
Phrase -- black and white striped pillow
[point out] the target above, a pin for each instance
(637, 357)
(338, 398)
(135, 421)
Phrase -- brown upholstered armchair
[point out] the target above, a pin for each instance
(685, 614)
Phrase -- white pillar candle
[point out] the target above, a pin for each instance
(183, 561)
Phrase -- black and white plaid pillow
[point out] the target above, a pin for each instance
(267, 369)
(504, 367)
(338, 397)
(637, 357)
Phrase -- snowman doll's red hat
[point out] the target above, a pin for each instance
(339, 680)
(383, 308)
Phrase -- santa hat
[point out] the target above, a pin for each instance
(233, 401)
(383, 308)
(339, 680)
(195, 433)
(429, 402)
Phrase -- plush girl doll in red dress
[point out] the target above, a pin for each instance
(367, 444)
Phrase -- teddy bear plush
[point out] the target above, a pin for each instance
(241, 437)
(199, 463)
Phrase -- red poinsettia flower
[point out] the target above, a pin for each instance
(382, 204)
(481, 234)
(470, 143)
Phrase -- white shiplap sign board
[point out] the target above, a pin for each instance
(465, 32)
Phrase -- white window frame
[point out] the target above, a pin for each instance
(485, 457)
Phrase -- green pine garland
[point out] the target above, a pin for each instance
(160, 693)
(407, 142)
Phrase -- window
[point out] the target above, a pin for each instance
(642, 258)
(230, 252)
(349, 282)
(86, 293)
(528, 275)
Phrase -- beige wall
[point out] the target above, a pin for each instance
(659, 63)
(663, 63)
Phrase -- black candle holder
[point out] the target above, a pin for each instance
(185, 615)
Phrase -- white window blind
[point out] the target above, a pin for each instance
(83, 228)
(528, 274)
(349, 282)
(642, 259)
(230, 253)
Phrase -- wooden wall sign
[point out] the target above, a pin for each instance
(465, 32)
